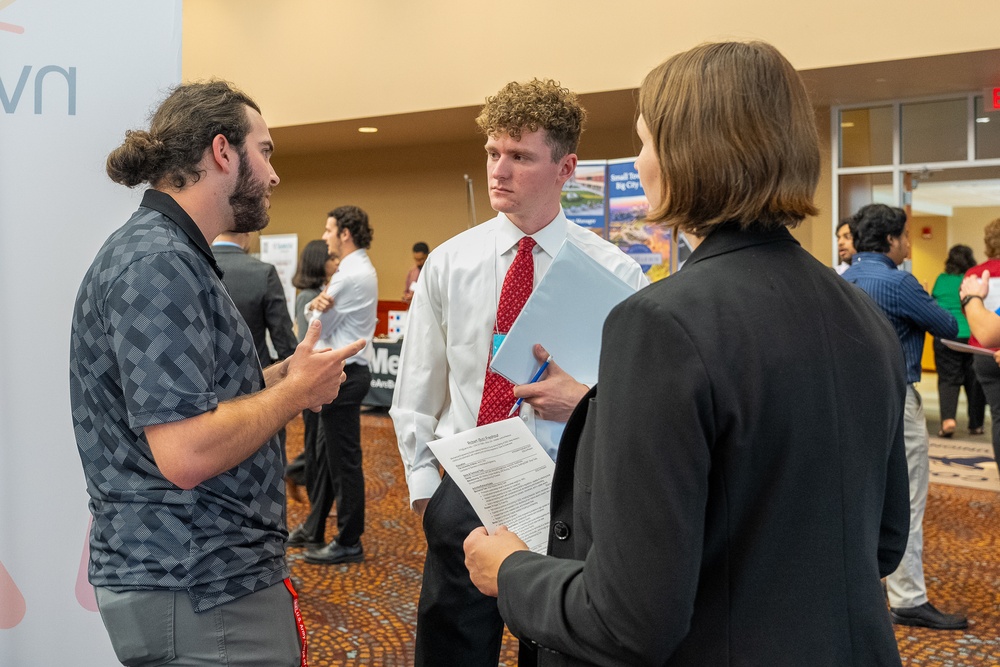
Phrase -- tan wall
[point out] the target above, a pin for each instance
(966, 226)
(309, 61)
(928, 254)
(816, 234)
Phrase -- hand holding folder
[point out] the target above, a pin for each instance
(565, 314)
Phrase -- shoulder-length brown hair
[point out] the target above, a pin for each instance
(735, 136)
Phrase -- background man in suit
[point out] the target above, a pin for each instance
(256, 290)
(461, 306)
(882, 240)
(735, 487)
(257, 293)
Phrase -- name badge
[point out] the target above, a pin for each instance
(497, 340)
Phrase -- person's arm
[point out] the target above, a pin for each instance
(195, 449)
(895, 527)
(320, 308)
(920, 308)
(983, 323)
(279, 324)
(421, 391)
(631, 600)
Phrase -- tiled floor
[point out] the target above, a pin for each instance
(364, 614)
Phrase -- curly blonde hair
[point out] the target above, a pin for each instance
(529, 107)
(991, 238)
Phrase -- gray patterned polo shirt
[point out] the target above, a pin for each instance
(157, 339)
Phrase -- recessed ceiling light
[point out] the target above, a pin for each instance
(368, 130)
(982, 119)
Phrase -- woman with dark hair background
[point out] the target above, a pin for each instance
(316, 265)
(955, 368)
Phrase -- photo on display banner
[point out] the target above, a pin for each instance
(649, 244)
(606, 197)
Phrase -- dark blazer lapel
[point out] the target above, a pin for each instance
(562, 479)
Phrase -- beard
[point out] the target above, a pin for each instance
(248, 199)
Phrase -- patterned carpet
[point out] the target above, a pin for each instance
(364, 614)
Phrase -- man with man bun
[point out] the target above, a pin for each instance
(175, 420)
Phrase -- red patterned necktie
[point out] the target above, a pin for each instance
(498, 394)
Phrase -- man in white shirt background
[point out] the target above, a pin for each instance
(845, 245)
(458, 315)
(348, 310)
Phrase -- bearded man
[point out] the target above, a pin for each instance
(175, 419)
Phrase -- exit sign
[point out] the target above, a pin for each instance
(994, 99)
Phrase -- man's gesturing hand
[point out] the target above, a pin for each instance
(316, 374)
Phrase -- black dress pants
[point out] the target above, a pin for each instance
(298, 470)
(456, 624)
(955, 371)
(335, 474)
(989, 377)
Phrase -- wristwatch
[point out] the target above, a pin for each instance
(969, 297)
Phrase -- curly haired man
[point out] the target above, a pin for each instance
(460, 311)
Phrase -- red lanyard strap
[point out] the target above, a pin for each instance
(298, 622)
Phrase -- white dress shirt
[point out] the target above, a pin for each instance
(449, 331)
(354, 290)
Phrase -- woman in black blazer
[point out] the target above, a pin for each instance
(735, 488)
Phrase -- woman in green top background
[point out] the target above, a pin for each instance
(955, 368)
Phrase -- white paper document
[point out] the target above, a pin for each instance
(506, 476)
(962, 347)
(565, 314)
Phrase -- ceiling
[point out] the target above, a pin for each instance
(849, 84)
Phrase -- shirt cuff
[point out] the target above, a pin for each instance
(423, 482)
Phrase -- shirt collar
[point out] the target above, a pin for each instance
(874, 257)
(549, 238)
(165, 204)
(350, 260)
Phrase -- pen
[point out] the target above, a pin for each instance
(533, 380)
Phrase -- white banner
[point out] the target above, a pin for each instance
(73, 77)
(282, 250)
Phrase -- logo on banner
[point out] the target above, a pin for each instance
(9, 27)
(10, 97)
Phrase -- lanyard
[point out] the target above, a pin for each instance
(298, 622)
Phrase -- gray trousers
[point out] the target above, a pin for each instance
(906, 585)
(150, 628)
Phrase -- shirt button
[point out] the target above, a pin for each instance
(560, 530)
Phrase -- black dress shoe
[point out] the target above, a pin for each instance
(334, 553)
(926, 616)
(299, 538)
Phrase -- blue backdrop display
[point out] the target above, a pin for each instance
(648, 244)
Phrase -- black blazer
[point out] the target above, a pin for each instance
(256, 290)
(737, 487)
